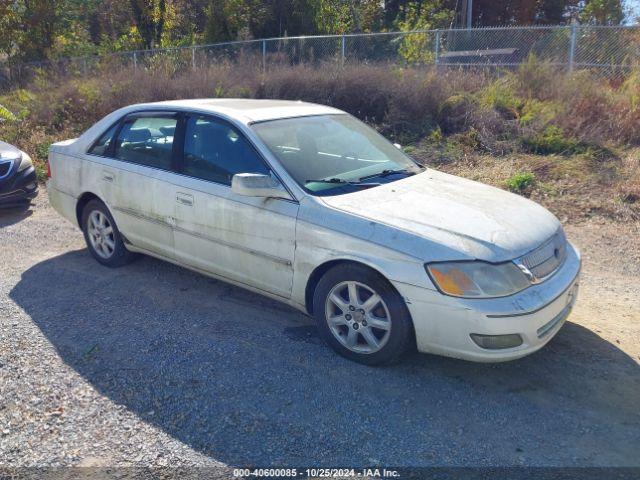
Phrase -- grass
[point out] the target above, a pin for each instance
(568, 141)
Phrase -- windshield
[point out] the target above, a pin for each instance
(334, 154)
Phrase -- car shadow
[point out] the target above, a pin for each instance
(247, 381)
(11, 215)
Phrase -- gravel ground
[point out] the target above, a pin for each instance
(152, 365)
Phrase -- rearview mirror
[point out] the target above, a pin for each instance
(258, 185)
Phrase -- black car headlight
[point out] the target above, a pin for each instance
(25, 162)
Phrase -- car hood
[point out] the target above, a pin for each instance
(472, 220)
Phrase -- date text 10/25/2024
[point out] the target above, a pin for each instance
(316, 472)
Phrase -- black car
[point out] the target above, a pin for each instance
(18, 181)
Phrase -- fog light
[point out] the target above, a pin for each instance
(497, 342)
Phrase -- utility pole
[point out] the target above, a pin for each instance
(572, 43)
(466, 15)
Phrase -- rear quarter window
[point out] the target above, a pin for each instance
(101, 146)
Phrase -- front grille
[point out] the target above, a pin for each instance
(546, 259)
(5, 167)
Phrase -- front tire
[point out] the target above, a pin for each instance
(361, 316)
(103, 237)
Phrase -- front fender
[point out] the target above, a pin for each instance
(317, 245)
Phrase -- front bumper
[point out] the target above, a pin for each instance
(18, 188)
(444, 324)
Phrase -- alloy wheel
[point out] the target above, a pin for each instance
(101, 235)
(358, 317)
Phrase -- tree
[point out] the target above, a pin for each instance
(392, 10)
(106, 20)
(37, 27)
(235, 19)
(41, 29)
(602, 12)
(520, 12)
(190, 20)
(348, 16)
(334, 17)
(150, 18)
(8, 24)
(217, 28)
(425, 15)
(289, 17)
(550, 12)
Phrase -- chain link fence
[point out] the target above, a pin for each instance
(611, 51)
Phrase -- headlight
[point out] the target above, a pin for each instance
(25, 162)
(477, 279)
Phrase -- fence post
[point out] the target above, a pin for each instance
(572, 44)
(437, 52)
(342, 51)
(193, 58)
(264, 56)
(135, 61)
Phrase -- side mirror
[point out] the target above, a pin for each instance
(398, 146)
(258, 185)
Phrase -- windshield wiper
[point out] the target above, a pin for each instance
(340, 181)
(387, 172)
(327, 180)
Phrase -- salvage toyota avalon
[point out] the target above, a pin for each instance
(307, 205)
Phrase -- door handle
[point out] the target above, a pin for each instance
(108, 176)
(184, 199)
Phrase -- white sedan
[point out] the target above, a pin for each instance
(307, 205)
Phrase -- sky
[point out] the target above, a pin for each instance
(633, 6)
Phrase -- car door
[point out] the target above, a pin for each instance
(246, 239)
(137, 179)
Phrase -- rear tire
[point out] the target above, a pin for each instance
(361, 316)
(103, 238)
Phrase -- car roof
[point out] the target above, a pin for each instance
(247, 110)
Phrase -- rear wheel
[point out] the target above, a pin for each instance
(103, 237)
(361, 316)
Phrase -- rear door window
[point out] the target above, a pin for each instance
(147, 141)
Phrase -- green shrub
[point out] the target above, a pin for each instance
(501, 96)
(5, 114)
(552, 140)
(471, 138)
(42, 149)
(521, 182)
(536, 79)
(409, 149)
(454, 114)
(536, 112)
(438, 149)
